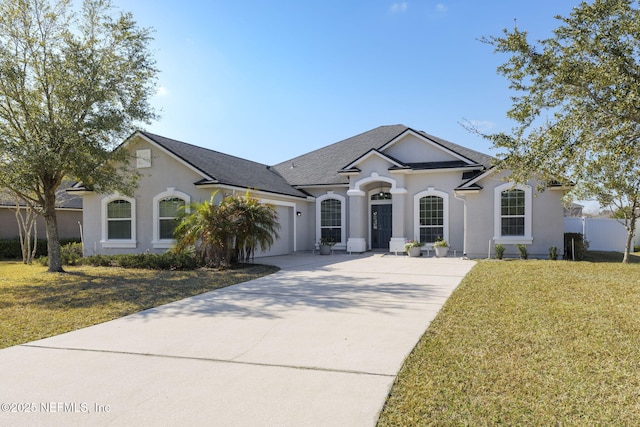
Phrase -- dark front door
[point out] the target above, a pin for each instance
(380, 226)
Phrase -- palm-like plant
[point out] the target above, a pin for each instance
(226, 232)
(256, 226)
(207, 230)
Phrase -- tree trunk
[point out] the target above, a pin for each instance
(53, 241)
(27, 231)
(631, 229)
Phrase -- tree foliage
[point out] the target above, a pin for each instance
(72, 86)
(226, 232)
(576, 106)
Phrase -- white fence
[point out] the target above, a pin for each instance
(603, 234)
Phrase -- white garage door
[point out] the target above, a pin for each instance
(284, 245)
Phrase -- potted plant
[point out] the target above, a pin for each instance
(413, 248)
(325, 245)
(441, 247)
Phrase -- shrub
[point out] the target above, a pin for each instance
(10, 248)
(575, 240)
(165, 261)
(71, 254)
(522, 250)
(499, 251)
(99, 260)
(553, 253)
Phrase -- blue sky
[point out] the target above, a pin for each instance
(268, 81)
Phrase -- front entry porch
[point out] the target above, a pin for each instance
(376, 215)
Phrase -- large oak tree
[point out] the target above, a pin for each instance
(73, 84)
(577, 105)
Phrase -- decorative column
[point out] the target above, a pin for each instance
(398, 237)
(463, 197)
(357, 221)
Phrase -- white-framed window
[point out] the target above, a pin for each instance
(330, 218)
(512, 214)
(431, 215)
(166, 208)
(118, 222)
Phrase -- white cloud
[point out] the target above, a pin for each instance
(440, 7)
(482, 125)
(399, 7)
(162, 91)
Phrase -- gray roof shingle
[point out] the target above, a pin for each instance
(320, 167)
(227, 169)
(64, 199)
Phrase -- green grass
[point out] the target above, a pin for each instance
(595, 256)
(528, 343)
(35, 304)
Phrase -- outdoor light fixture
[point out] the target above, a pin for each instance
(298, 213)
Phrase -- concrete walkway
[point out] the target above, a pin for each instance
(317, 344)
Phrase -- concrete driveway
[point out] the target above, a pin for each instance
(318, 344)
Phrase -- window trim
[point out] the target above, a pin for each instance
(118, 243)
(445, 212)
(527, 238)
(343, 201)
(171, 192)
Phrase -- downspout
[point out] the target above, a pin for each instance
(463, 199)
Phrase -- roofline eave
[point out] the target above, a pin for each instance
(251, 190)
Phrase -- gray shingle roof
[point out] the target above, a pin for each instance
(227, 169)
(320, 167)
(64, 199)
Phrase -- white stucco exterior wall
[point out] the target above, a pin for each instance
(547, 226)
(167, 174)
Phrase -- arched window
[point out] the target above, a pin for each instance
(431, 219)
(330, 218)
(431, 216)
(512, 214)
(118, 222)
(168, 210)
(381, 195)
(167, 206)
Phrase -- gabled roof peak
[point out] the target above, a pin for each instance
(320, 167)
(220, 168)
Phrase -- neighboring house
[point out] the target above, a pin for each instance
(575, 210)
(373, 191)
(68, 210)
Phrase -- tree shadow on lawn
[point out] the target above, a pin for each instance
(615, 257)
(266, 297)
(79, 289)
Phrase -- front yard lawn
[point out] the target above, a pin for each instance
(528, 343)
(35, 304)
